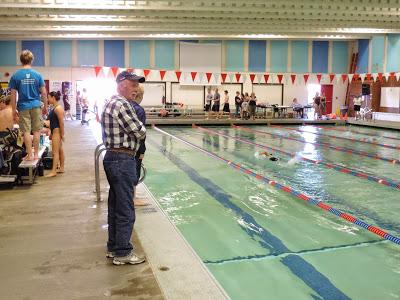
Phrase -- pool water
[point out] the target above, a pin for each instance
(262, 243)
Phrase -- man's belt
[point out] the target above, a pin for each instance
(123, 150)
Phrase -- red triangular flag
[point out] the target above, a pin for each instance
(178, 74)
(162, 74)
(392, 74)
(380, 76)
(344, 77)
(293, 77)
(114, 70)
(193, 74)
(237, 75)
(280, 77)
(319, 76)
(252, 76)
(331, 77)
(368, 76)
(208, 75)
(146, 72)
(97, 70)
(223, 76)
(355, 77)
(306, 78)
(266, 77)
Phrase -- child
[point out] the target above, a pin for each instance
(142, 148)
(245, 109)
(56, 123)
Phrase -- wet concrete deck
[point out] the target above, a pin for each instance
(375, 123)
(53, 233)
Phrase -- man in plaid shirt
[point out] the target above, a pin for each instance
(122, 132)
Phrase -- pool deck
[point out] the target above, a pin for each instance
(375, 123)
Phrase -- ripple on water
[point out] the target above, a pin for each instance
(175, 204)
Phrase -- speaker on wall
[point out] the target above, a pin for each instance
(366, 90)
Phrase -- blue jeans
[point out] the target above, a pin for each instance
(120, 169)
(237, 110)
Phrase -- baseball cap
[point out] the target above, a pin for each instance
(125, 75)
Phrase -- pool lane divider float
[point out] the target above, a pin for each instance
(364, 140)
(359, 132)
(323, 145)
(377, 231)
(330, 165)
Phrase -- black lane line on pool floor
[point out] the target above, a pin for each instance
(298, 266)
(356, 210)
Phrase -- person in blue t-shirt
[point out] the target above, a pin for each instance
(30, 87)
(141, 114)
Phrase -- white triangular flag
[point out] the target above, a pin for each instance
(106, 70)
(374, 76)
(350, 76)
(338, 78)
(216, 76)
(397, 76)
(230, 76)
(362, 76)
(200, 76)
(259, 78)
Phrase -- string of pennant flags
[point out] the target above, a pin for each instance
(239, 77)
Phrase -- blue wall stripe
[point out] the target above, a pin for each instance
(257, 56)
(363, 56)
(299, 56)
(88, 53)
(320, 56)
(114, 53)
(340, 57)
(378, 52)
(60, 53)
(279, 56)
(139, 54)
(8, 55)
(234, 56)
(37, 48)
(393, 53)
(164, 55)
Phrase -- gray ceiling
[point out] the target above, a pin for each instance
(229, 19)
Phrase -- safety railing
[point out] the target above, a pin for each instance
(97, 153)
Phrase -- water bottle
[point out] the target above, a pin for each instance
(41, 140)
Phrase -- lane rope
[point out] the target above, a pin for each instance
(359, 132)
(364, 140)
(329, 165)
(324, 145)
(375, 230)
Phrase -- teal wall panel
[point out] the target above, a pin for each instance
(60, 53)
(164, 53)
(88, 53)
(393, 53)
(299, 56)
(8, 55)
(234, 56)
(340, 57)
(378, 53)
(139, 54)
(279, 56)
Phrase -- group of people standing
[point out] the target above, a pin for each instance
(245, 105)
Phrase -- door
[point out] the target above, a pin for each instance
(327, 90)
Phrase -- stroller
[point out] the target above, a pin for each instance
(10, 154)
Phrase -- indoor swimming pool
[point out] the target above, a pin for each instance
(258, 238)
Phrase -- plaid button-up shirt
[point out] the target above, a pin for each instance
(121, 127)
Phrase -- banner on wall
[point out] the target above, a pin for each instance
(55, 86)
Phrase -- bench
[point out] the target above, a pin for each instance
(32, 166)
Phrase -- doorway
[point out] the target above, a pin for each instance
(327, 90)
